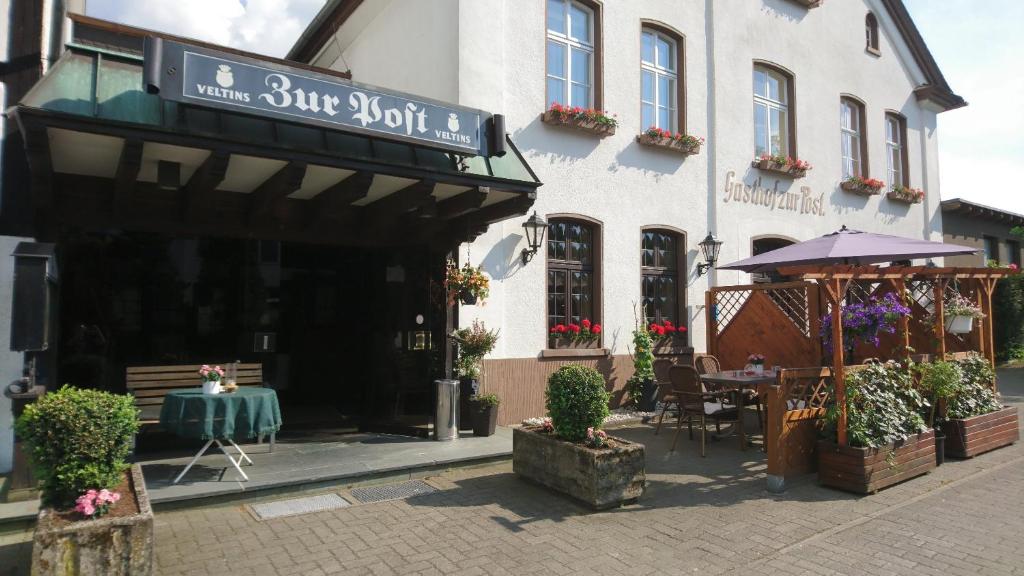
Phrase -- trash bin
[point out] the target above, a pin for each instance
(446, 412)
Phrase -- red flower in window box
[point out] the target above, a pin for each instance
(596, 329)
(585, 323)
(574, 328)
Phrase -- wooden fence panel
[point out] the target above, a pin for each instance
(760, 325)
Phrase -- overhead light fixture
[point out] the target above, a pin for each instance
(709, 247)
(535, 227)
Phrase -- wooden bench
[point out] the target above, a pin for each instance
(150, 384)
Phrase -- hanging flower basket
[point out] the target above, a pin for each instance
(959, 324)
(468, 284)
(862, 186)
(783, 165)
(959, 314)
(678, 142)
(585, 119)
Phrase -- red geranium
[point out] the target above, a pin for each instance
(558, 329)
(596, 329)
(574, 328)
(585, 323)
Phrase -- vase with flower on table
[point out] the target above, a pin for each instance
(755, 365)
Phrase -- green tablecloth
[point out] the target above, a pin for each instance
(246, 413)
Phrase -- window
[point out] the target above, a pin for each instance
(760, 246)
(991, 249)
(772, 116)
(662, 256)
(1013, 248)
(571, 46)
(660, 60)
(871, 33)
(852, 141)
(572, 274)
(895, 150)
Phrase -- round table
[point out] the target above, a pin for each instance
(248, 412)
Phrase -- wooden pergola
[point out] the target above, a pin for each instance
(835, 280)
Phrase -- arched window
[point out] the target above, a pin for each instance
(773, 112)
(573, 269)
(760, 246)
(896, 150)
(853, 144)
(573, 53)
(662, 257)
(871, 33)
(661, 64)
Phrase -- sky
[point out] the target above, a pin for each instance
(979, 52)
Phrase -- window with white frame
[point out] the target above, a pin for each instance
(570, 54)
(895, 151)
(850, 133)
(659, 78)
(771, 112)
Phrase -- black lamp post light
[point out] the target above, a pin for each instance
(535, 227)
(709, 247)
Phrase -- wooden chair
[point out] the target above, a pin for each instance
(150, 384)
(708, 364)
(694, 402)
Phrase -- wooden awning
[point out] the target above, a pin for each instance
(103, 153)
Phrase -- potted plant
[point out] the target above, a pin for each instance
(475, 342)
(586, 334)
(864, 186)
(782, 164)
(467, 284)
(756, 363)
(585, 119)
(939, 382)
(975, 420)
(642, 389)
(888, 438)
(211, 378)
(96, 514)
(959, 314)
(677, 142)
(570, 454)
(906, 194)
(485, 414)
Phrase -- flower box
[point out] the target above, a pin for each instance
(959, 324)
(912, 197)
(860, 188)
(601, 478)
(118, 543)
(868, 470)
(776, 168)
(568, 120)
(969, 437)
(566, 343)
(686, 148)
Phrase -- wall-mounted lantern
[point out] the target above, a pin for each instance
(535, 227)
(709, 247)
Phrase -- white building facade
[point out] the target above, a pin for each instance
(847, 86)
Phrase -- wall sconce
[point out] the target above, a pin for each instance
(535, 227)
(709, 247)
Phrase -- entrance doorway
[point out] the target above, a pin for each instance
(760, 246)
(351, 338)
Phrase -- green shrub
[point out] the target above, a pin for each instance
(1008, 317)
(576, 400)
(482, 400)
(882, 406)
(976, 394)
(78, 439)
(939, 381)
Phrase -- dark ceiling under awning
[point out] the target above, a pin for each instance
(103, 152)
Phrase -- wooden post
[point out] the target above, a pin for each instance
(940, 318)
(814, 315)
(903, 325)
(835, 289)
(982, 324)
(711, 323)
(775, 412)
(988, 286)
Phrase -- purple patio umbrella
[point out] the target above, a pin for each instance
(848, 247)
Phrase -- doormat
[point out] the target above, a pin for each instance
(296, 506)
(367, 494)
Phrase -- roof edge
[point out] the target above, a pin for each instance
(936, 88)
(959, 205)
(318, 32)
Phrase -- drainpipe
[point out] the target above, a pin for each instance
(929, 217)
(712, 139)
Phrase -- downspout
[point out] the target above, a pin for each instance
(929, 217)
(712, 138)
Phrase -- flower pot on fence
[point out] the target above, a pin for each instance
(969, 437)
(598, 477)
(485, 419)
(648, 401)
(868, 470)
(959, 324)
(114, 545)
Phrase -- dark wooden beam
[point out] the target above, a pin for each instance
(40, 162)
(468, 226)
(464, 203)
(339, 197)
(127, 172)
(399, 202)
(204, 180)
(275, 189)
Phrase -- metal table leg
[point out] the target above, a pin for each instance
(198, 454)
(233, 463)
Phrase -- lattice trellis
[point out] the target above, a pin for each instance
(794, 304)
(922, 292)
(860, 292)
(727, 305)
(807, 392)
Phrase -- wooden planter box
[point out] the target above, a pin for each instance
(555, 119)
(971, 436)
(769, 166)
(669, 144)
(112, 546)
(868, 470)
(859, 189)
(896, 197)
(567, 344)
(599, 478)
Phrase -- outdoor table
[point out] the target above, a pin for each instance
(737, 382)
(248, 412)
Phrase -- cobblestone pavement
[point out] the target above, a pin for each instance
(709, 517)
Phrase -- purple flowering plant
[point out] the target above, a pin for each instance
(862, 322)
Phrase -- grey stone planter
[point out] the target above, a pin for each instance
(121, 546)
(602, 478)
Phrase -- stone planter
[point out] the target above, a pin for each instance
(969, 437)
(599, 478)
(111, 546)
(555, 119)
(868, 470)
(860, 189)
(669, 144)
(897, 197)
(780, 169)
